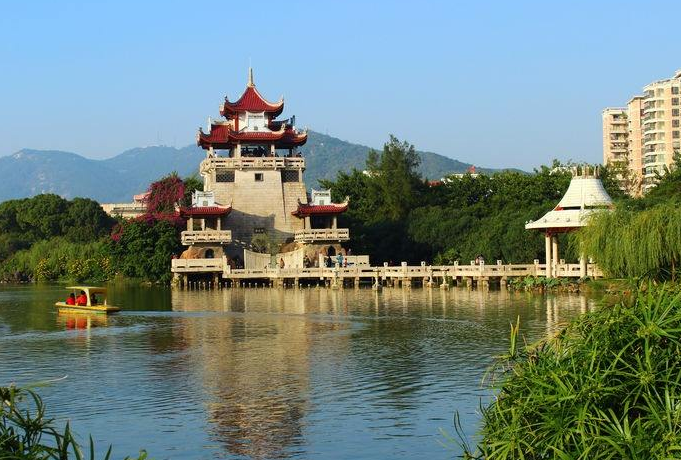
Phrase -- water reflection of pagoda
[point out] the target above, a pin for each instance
(255, 366)
(254, 188)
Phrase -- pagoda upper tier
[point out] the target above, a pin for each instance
(251, 120)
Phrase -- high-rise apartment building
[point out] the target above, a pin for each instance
(644, 135)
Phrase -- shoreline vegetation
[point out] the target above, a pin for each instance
(606, 386)
(26, 432)
(48, 238)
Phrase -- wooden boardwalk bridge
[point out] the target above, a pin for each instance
(216, 273)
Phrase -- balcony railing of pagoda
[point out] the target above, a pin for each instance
(197, 265)
(321, 234)
(206, 236)
(256, 163)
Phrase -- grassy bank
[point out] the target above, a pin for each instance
(607, 386)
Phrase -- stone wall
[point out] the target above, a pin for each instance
(264, 205)
(256, 260)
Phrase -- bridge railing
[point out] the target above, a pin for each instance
(383, 272)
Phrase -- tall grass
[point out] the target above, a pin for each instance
(26, 432)
(606, 387)
(58, 258)
(631, 243)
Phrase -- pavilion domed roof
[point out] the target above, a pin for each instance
(584, 196)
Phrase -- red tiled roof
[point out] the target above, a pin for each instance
(141, 196)
(252, 101)
(222, 136)
(205, 211)
(319, 209)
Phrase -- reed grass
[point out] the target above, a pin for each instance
(27, 433)
(608, 386)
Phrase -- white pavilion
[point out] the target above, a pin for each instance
(584, 196)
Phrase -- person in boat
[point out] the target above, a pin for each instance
(93, 299)
(81, 299)
(71, 299)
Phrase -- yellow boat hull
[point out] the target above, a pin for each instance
(101, 309)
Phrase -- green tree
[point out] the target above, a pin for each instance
(143, 249)
(395, 176)
(42, 216)
(86, 221)
(191, 184)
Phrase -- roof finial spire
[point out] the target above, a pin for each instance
(250, 77)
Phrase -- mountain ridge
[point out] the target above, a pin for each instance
(29, 171)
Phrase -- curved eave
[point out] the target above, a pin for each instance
(205, 211)
(319, 210)
(252, 101)
(561, 220)
(226, 139)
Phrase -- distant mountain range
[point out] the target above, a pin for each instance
(30, 172)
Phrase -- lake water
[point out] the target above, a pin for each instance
(267, 373)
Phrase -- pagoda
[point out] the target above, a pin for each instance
(254, 170)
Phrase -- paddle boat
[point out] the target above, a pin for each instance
(96, 301)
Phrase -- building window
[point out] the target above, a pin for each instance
(675, 90)
(675, 112)
(259, 177)
(675, 101)
(675, 134)
(223, 175)
(290, 176)
(675, 123)
(259, 230)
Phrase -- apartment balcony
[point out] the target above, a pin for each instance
(252, 163)
(313, 235)
(653, 159)
(190, 237)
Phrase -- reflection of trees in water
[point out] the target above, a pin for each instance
(255, 362)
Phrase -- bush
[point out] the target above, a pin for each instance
(607, 386)
(59, 258)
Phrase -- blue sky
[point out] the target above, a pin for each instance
(500, 84)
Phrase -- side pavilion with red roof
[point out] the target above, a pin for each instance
(205, 236)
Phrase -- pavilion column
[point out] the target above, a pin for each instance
(547, 246)
(554, 254)
(203, 224)
(334, 222)
(307, 222)
(190, 223)
(219, 223)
